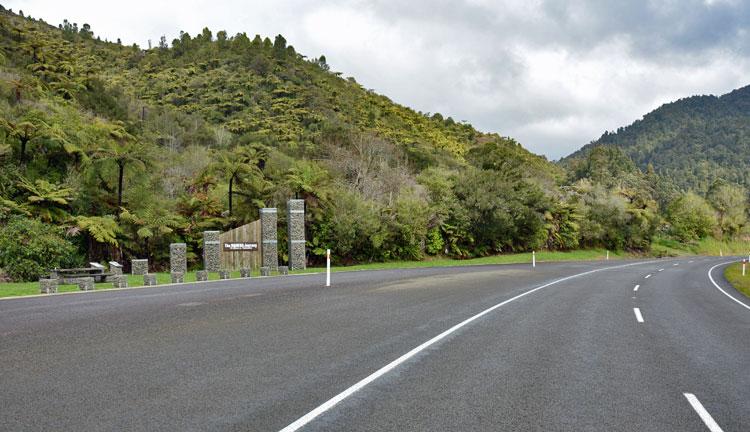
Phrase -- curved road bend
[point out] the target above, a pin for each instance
(587, 352)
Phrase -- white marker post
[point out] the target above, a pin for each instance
(743, 267)
(328, 267)
(533, 259)
(607, 255)
(721, 253)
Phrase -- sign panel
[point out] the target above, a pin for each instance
(240, 247)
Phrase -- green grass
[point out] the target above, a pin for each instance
(708, 246)
(29, 288)
(733, 273)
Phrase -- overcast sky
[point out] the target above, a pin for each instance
(552, 74)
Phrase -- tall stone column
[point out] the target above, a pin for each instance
(178, 258)
(211, 251)
(268, 221)
(295, 219)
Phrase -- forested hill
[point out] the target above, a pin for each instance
(691, 142)
(116, 151)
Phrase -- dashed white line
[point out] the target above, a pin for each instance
(647, 276)
(661, 270)
(638, 315)
(636, 288)
(330, 403)
(676, 264)
(704, 415)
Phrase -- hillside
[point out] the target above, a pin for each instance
(123, 150)
(691, 142)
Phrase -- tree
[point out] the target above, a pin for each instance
(730, 202)
(50, 202)
(690, 217)
(279, 47)
(238, 165)
(122, 150)
(27, 128)
(150, 223)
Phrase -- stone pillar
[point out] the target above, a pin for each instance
(245, 272)
(139, 266)
(120, 281)
(295, 220)
(86, 284)
(265, 271)
(149, 279)
(178, 258)
(283, 270)
(223, 274)
(211, 251)
(177, 277)
(268, 220)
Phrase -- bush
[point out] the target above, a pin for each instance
(29, 248)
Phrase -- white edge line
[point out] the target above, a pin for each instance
(636, 288)
(720, 289)
(638, 315)
(704, 415)
(310, 416)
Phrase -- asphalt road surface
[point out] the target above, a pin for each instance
(562, 347)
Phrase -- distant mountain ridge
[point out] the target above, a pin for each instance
(691, 142)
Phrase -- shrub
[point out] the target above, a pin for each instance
(29, 248)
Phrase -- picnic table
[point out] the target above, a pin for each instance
(71, 275)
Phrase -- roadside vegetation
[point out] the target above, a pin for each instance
(733, 273)
(112, 152)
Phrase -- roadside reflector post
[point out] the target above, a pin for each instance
(607, 255)
(533, 259)
(721, 253)
(744, 263)
(328, 267)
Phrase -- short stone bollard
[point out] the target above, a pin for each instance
(48, 286)
(178, 277)
(265, 271)
(201, 275)
(283, 270)
(120, 281)
(149, 279)
(86, 284)
(245, 272)
(223, 274)
(139, 266)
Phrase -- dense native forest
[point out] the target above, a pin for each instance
(112, 152)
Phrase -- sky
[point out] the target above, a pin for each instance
(552, 74)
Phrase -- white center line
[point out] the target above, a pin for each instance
(647, 276)
(705, 416)
(676, 264)
(638, 315)
(636, 288)
(330, 403)
(661, 270)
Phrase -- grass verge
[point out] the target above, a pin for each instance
(29, 288)
(733, 273)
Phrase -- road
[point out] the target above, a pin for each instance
(561, 347)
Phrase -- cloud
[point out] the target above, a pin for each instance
(554, 75)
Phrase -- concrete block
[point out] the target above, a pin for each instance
(283, 270)
(245, 272)
(48, 286)
(86, 284)
(223, 274)
(265, 271)
(177, 277)
(119, 281)
(139, 266)
(149, 279)
(201, 275)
